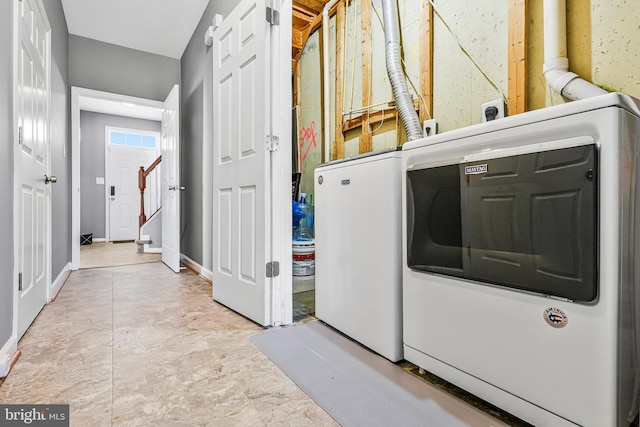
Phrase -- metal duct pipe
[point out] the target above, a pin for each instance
(556, 64)
(404, 103)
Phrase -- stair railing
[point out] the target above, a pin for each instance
(142, 185)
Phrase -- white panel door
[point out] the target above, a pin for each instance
(32, 113)
(170, 187)
(243, 168)
(123, 195)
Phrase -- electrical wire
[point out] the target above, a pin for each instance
(380, 125)
(366, 108)
(462, 48)
(466, 52)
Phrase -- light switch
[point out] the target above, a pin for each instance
(100, 180)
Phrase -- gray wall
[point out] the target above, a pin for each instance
(60, 141)
(195, 152)
(92, 162)
(6, 170)
(110, 68)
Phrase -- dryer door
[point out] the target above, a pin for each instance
(525, 222)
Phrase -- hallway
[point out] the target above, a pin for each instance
(111, 254)
(141, 345)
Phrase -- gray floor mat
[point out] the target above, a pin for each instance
(357, 387)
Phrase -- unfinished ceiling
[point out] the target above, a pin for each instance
(307, 16)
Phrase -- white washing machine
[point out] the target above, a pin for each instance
(521, 273)
(358, 253)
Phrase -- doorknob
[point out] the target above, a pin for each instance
(50, 179)
(181, 188)
(172, 188)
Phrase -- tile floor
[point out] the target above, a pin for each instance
(140, 345)
(110, 254)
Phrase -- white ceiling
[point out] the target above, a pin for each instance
(163, 27)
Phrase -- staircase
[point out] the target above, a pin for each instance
(150, 229)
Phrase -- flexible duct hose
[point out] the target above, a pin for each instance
(404, 103)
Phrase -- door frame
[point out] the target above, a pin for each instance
(79, 97)
(17, 169)
(282, 286)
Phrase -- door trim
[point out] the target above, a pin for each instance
(78, 97)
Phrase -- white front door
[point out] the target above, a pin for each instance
(123, 195)
(170, 187)
(32, 166)
(247, 103)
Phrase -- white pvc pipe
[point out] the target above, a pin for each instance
(556, 64)
(325, 69)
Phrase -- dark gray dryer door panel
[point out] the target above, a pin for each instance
(525, 222)
(531, 222)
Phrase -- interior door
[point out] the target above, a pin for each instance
(241, 169)
(32, 113)
(170, 188)
(123, 196)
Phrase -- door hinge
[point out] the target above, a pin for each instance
(273, 269)
(19, 281)
(20, 135)
(273, 16)
(272, 143)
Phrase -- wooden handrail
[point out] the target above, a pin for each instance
(153, 166)
(142, 185)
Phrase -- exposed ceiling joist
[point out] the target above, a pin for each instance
(307, 16)
(312, 5)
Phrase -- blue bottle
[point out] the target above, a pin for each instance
(305, 227)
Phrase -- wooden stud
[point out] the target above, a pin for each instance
(296, 102)
(297, 41)
(426, 61)
(517, 57)
(296, 85)
(373, 119)
(365, 19)
(386, 114)
(324, 127)
(338, 146)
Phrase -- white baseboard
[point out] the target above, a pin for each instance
(203, 272)
(57, 284)
(6, 355)
(207, 274)
(99, 239)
